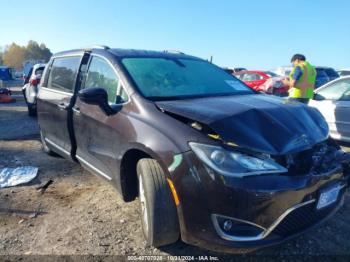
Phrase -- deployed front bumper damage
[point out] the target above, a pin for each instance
(223, 213)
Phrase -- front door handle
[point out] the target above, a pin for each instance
(62, 106)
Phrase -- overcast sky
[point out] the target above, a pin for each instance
(253, 34)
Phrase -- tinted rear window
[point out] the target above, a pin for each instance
(63, 73)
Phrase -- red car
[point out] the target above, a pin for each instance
(263, 81)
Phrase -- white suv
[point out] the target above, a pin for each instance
(30, 88)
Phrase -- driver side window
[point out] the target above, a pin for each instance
(101, 74)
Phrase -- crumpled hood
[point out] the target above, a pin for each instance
(262, 123)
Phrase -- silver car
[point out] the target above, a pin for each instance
(333, 101)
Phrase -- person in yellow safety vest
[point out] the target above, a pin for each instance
(301, 80)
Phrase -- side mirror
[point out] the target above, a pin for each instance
(96, 96)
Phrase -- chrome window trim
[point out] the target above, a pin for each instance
(78, 54)
(57, 91)
(263, 234)
(93, 168)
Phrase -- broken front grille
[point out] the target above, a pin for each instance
(320, 159)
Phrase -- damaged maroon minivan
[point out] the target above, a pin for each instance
(210, 160)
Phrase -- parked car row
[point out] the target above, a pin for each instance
(270, 82)
(323, 76)
(212, 161)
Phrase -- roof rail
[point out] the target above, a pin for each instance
(97, 47)
(174, 52)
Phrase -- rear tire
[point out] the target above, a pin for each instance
(45, 148)
(159, 218)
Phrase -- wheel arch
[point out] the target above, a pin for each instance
(128, 172)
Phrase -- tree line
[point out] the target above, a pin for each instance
(14, 55)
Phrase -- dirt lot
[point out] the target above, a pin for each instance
(80, 214)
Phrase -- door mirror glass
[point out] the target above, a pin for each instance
(93, 96)
(96, 96)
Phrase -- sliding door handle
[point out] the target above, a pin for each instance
(62, 106)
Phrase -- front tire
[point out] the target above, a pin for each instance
(159, 218)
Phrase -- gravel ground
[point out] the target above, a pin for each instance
(81, 216)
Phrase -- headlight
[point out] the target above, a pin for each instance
(233, 163)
